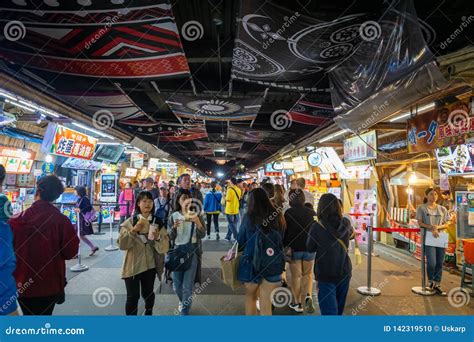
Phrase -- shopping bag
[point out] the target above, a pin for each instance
(230, 266)
(357, 256)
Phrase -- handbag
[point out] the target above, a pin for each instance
(230, 267)
(180, 257)
(91, 215)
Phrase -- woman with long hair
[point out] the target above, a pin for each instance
(434, 219)
(83, 207)
(299, 219)
(279, 197)
(144, 239)
(262, 262)
(186, 226)
(329, 237)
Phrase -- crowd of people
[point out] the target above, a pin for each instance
(161, 232)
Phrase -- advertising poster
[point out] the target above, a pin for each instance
(66, 142)
(16, 160)
(456, 160)
(365, 202)
(108, 187)
(107, 214)
(446, 126)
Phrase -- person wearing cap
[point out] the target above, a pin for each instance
(232, 207)
(162, 204)
(150, 186)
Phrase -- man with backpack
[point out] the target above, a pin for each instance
(232, 207)
(212, 208)
(163, 204)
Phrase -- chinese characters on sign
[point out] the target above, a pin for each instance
(66, 142)
(362, 147)
(446, 126)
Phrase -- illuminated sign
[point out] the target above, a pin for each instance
(16, 161)
(66, 142)
(315, 159)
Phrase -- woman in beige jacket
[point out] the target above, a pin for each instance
(145, 240)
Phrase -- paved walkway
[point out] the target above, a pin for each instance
(101, 291)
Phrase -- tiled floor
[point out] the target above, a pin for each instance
(101, 291)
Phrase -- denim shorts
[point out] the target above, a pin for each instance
(305, 256)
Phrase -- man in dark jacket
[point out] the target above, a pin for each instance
(184, 182)
(8, 294)
(43, 239)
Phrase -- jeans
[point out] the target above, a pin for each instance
(145, 280)
(183, 283)
(215, 218)
(332, 296)
(306, 256)
(37, 306)
(233, 222)
(434, 262)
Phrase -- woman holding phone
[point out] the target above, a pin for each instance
(434, 219)
(186, 226)
(145, 240)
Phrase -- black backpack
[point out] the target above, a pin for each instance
(268, 258)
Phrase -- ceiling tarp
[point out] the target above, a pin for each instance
(81, 51)
(311, 113)
(100, 40)
(283, 48)
(214, 109)
(256, 136)
(391, 68)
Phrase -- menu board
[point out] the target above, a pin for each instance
(16, 161)
(330, 163)
(66, 142)
(357, 172)
(361, 147)
(456, 160)
(136, 160)
(365, 202)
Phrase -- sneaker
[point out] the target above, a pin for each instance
(309, 305)
(258, 304)
(227, 238)
(430, 287)
(439, 290)
(296, 307)
(180, 307)
(217, 237)
(208, 237)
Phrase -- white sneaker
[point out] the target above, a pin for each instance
(296, 307)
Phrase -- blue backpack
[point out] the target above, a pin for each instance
(162, 212)
(268, 258)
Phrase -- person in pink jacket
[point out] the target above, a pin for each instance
(126, 201)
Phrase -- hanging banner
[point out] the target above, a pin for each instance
(63, 141)
(446, 126)
(361, 147)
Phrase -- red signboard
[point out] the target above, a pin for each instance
(69, 143)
